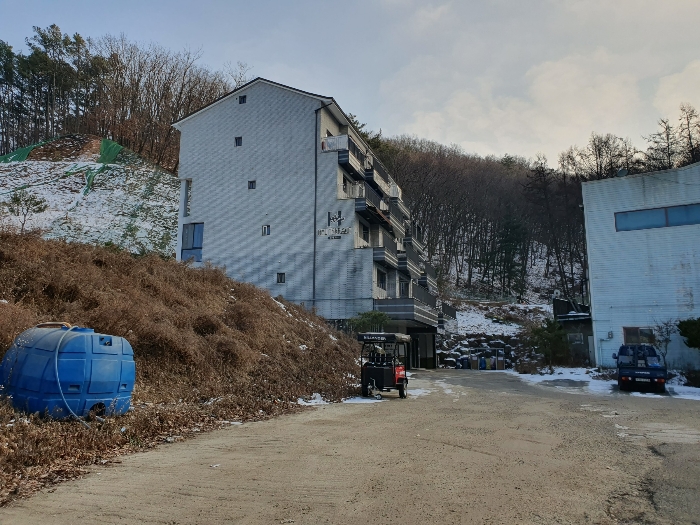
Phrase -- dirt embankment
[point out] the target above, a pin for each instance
(208, 350)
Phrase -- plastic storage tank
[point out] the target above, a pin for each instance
(96, 371)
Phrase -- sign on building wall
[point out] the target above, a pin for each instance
(335, 226)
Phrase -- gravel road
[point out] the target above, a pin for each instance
(465, 447)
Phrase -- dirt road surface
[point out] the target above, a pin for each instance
(465, 447)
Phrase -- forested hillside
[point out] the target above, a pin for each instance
(513, 227)
(109, 87)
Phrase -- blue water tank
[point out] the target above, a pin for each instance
(96, 371)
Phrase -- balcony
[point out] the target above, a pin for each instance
(386, 256)
(378, 178)
(350, 156)
(401, 206)
(424, 296)
(371, 206)
(407, 309)
(414, 238)
(409, 262)
(428, 277)
(448, 311)
(396, 219)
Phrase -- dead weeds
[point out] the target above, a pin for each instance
(208, 351)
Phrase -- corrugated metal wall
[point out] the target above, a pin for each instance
(642, 276)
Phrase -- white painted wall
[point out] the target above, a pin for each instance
(639, 277)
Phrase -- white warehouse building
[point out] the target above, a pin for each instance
(280, 189)
(643, 243)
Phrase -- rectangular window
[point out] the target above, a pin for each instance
(640, 220)
(658, 218)
(638, 336)
(684, 215)
(281, 278)
(251, 184)
(266, 229)
(404, 288)
(381, 279)
(242, 99)
(575, 339)
(238, 141)
(365, 233)
(192, 241)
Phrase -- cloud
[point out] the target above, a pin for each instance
(677, 88)
(563, 101)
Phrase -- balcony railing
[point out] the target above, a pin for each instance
(371, 206)
(424, 296)
(407, 309)
(409, 262)
(396, 216)
(448, 311)
(350, 155)
(386, 255)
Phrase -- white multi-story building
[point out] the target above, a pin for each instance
(280, 189)
(643, 239)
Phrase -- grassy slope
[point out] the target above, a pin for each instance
(207, 349)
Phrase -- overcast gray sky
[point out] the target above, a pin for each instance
(499, 76)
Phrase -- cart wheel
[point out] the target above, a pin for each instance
(378, 397)
(402, 391)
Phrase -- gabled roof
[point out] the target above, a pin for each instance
(325, 100)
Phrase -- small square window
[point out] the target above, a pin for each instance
(281, 278)
(266, 229)
(242, 99)
(238, 141)
(251, 184)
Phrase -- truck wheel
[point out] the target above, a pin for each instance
(402, 391)
(620, 386)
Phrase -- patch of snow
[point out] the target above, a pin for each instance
(360, 400)
(417, 392)
(282, 306)
(472, 320)
(686, 392)
(303, 347)
(333, 338)
(316, 399)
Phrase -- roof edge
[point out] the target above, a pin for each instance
(247, 85)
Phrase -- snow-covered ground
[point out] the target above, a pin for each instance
(601, 386)
(133, 205)
(486, 318)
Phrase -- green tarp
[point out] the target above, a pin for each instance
(18, 155)
(108, 151)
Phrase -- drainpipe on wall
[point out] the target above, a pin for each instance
(313, 274)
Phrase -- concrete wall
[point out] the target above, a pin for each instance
(642, 276)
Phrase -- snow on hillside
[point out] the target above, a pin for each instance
(131, 204)
(497, 318)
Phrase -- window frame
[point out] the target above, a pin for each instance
(381, 278)
(238, 142)
(252, 184)
(242, 99)
(629, 337)
(671, 217)
(266, 230)
(281, 277)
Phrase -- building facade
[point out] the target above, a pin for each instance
(643, 241)
(280, 189)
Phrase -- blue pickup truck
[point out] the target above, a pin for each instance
(638, 367)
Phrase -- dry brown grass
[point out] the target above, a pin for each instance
(207, 349)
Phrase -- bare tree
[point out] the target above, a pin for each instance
(663, 332)
(238, 73)
(689, 134)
